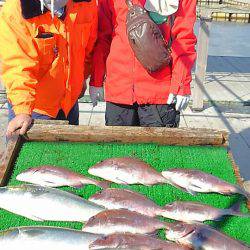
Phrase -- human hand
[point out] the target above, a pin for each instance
(96, 94)
(181, 102)
(22, 122)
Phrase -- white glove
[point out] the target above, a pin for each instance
(96, 94)
(162, 7)
(180, 101)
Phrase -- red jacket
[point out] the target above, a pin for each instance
(126, 80)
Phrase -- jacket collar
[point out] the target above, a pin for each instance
(32, 8)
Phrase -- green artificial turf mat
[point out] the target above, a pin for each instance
(80, 156)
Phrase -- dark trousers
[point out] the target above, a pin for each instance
(73, 116)
(142, 115)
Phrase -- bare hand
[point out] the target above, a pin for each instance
(22, 122)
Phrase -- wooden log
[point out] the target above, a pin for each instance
(8, 158)
(50, 122)
(164, 136)
(201, 62)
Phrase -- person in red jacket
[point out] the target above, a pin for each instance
(133, 95)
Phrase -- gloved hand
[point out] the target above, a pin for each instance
(181, 102)
(22, 122)
(96, 94)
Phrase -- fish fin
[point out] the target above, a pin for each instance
(70, 192)
(235, 210)
(50, 184)
(121, 181)
(33, 217)
(77, 185)
(153, 234)
(219, 218)
(104, 184)
(244, 193)
(186, 190)
(191, 192)
(144, 184)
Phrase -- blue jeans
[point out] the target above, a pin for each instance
(73, 116)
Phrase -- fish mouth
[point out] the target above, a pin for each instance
(92, 171)
(19, 177)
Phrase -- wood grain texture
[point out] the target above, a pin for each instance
(164, 136)
(52, 122)
(9, 158)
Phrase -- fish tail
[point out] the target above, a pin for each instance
(244, 193)
(103, 184)
(235, 210)
(246, 215)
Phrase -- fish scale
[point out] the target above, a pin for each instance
(115, 198)
(134, 242)
(52, 176)
(127, 170)
(192, 181)
(123, 221)
(200, 236)
(49, 238)
(42, 203)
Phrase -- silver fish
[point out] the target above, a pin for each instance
(193, 181)
(123, 221)
(200, 236)
(46, 204)
(127, 171)
(115, 198)
(197, 212)
(49, 238)
(134, 242)
(51, 176)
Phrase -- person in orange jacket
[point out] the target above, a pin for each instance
(133, 95)
(46, 53)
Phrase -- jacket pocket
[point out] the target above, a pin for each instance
(47, 50)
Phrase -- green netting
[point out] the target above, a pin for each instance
(80, 156)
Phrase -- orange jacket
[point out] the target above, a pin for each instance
(126, 79)
(43, 61)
